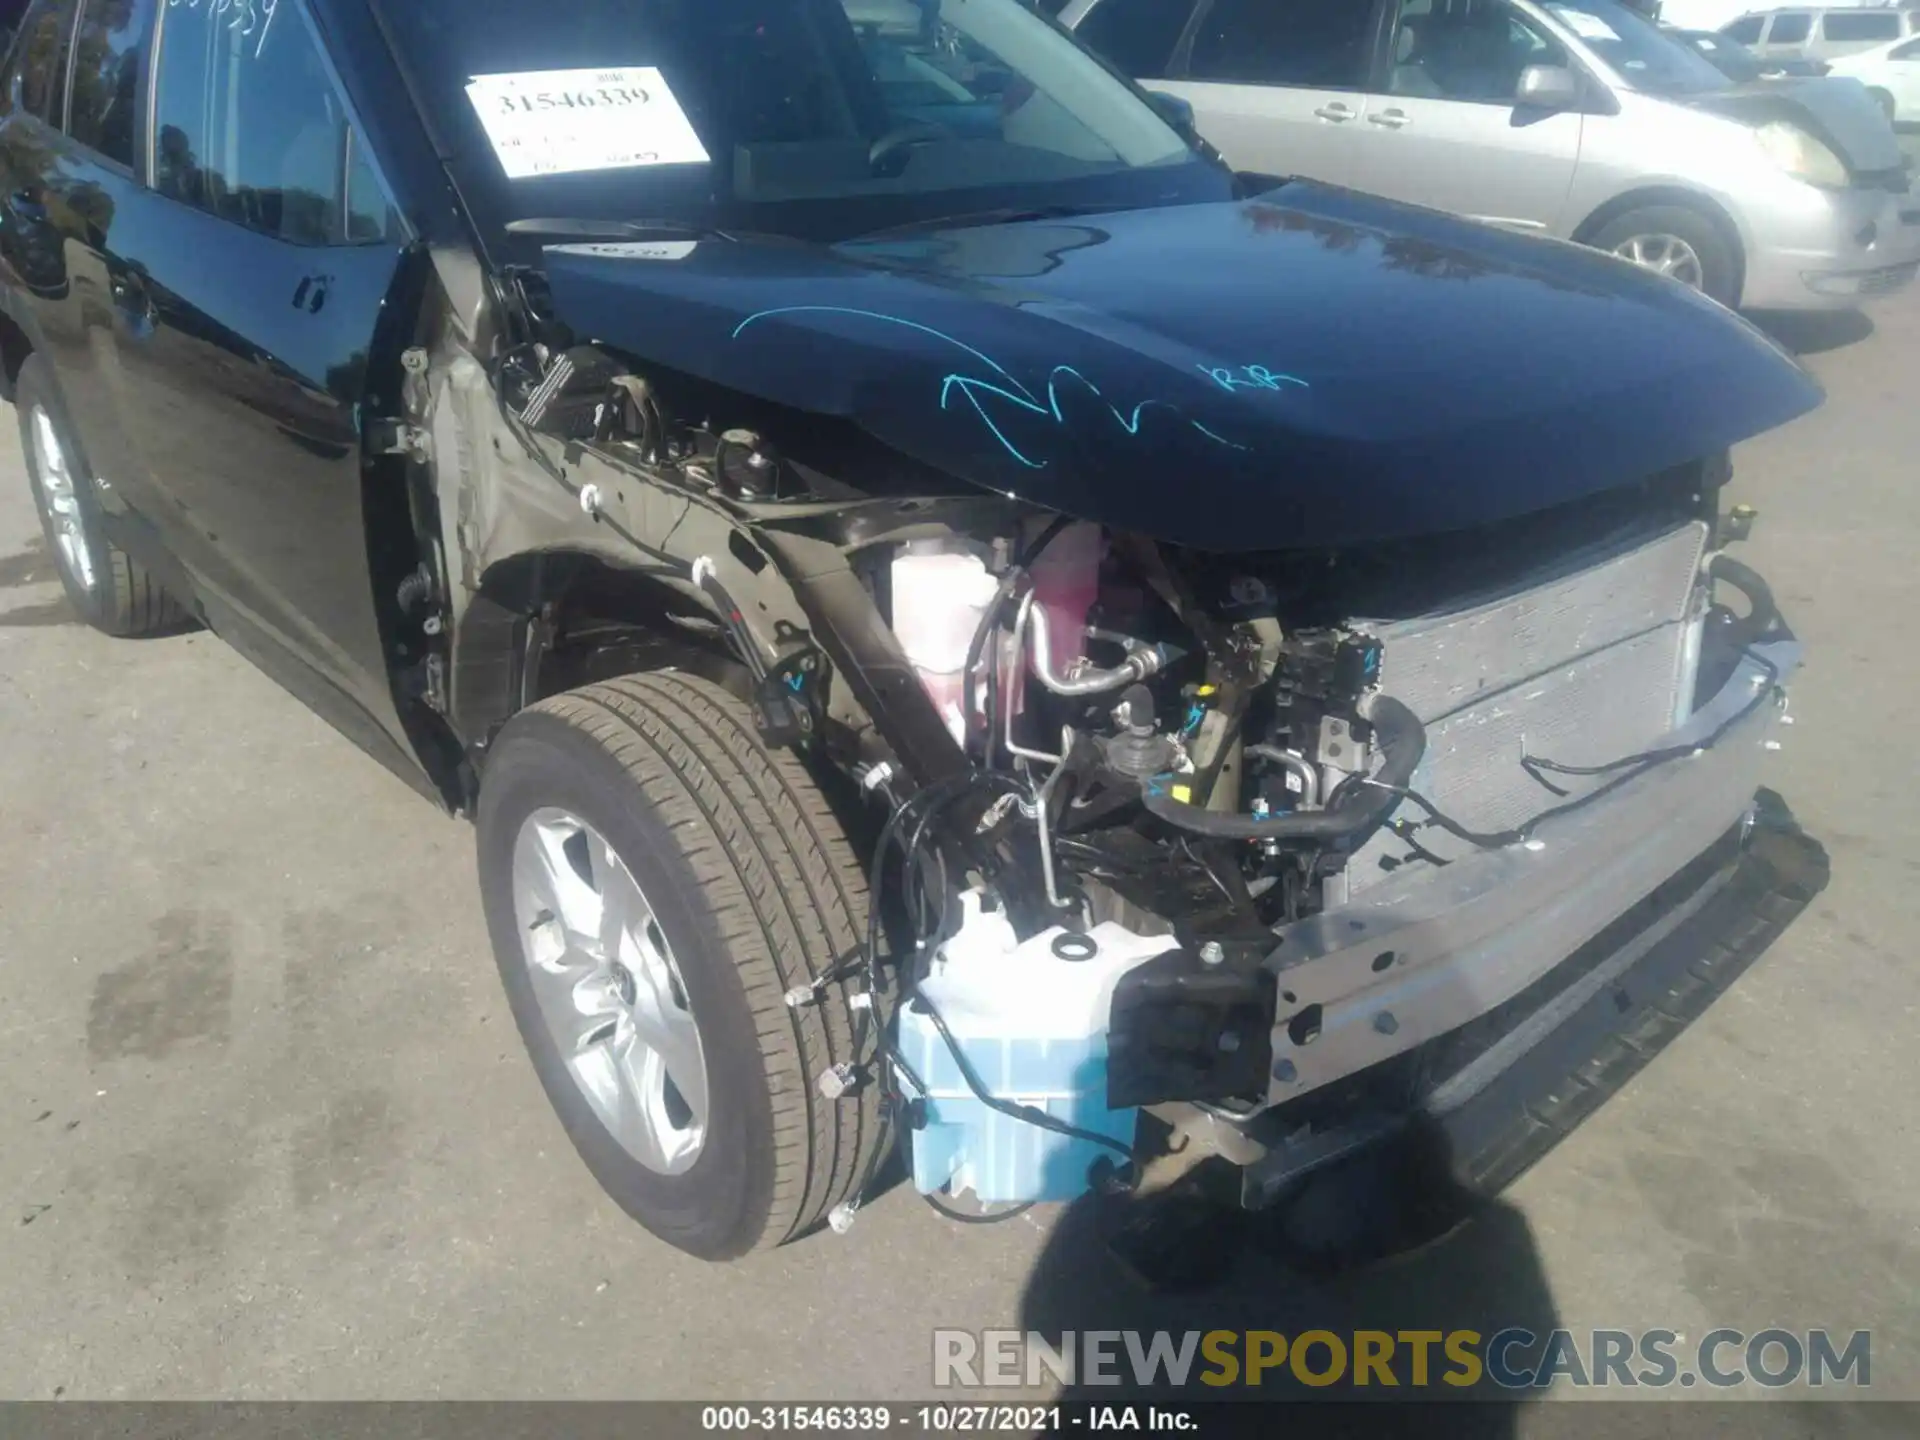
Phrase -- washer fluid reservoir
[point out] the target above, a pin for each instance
(1031, 1018)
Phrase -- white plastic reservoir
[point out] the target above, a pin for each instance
(939, 598)
(1034, 1027)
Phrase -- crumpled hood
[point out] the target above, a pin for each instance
(1835, 108)
(1313, 368)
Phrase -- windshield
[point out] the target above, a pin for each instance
(1730, 57)
(813, 118)
(1643, 55)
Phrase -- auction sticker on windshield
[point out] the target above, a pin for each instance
(556, 122)
(1587, 27)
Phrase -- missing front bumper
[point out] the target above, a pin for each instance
(1421, 955)
(1496, 1097)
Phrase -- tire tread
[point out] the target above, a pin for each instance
(787, 897)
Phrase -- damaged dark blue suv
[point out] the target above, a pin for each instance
(962, 622)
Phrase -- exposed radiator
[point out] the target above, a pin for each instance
(1583, 665)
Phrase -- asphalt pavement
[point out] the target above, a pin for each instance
(266, 1130)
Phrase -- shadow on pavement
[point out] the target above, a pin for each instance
(1408, 1237)
(1814, 332)
(1389, 1245)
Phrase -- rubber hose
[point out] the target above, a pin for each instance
(1354, 809)
(1763, 616)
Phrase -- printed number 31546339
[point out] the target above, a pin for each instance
(611, 97)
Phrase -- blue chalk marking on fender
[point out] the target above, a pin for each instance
(973, 388)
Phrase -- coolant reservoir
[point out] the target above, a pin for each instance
(1032, 1020)
(939, 598)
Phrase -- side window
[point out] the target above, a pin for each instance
(1319, 44)
(370, 215)
(1908, 51)
(1138, 36)
(1466, 52)
(40, 64)
(1746, 29)
(249, 126)
(1790, 28)
(1840, 25)
(106, 75)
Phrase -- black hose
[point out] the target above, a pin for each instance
(982, 633)
(929, 801)
(1623, 771)
(952, 786)
(963, 1217)
(1009, 583)
(887, 1050)
(1763, 616)
(1350, 811)
(1040, 542)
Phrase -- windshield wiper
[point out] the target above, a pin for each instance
(971, 219)
(553, 227)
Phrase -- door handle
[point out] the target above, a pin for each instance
(310, 294)
(1391, 119)
(1336, 111)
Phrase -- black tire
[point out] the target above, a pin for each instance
(123, 598)
(1719, 257)
(756, 890)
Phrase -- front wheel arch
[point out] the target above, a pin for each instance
(1655, 196)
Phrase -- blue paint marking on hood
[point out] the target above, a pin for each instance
(1313, 368)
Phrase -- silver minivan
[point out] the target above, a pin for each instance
(1579, 119)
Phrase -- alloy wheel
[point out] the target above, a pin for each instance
(1665, 255)
(62, 501)
(609, 989)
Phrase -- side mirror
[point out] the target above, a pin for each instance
(1547, 87)
(1175, 111)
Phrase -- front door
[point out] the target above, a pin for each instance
(1788, 34)
(1444, 131)
(254, 278)
(1280, 88)
(68, 195)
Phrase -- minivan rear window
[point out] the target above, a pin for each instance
(1863, 26)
